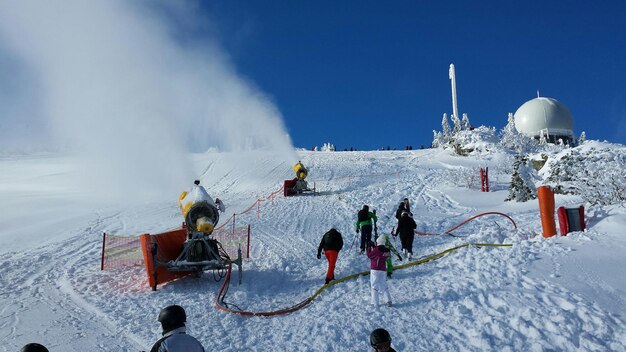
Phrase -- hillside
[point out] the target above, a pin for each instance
(562, 293)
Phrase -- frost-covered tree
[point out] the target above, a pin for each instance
(437, 139)
(445, 129)
(597, 175)
(509, 133)
(522, 186)
(465, 123)
(582, 138)
(456, 122)
(328, 147)
(520, 143)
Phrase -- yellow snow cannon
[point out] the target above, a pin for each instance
(201, 213)
(298, 185)
(200, 251)
(300, 171)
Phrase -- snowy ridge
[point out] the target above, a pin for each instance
(514, 298)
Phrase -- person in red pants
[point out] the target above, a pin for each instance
(331, 243)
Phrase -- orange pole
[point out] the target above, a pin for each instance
(546, 210)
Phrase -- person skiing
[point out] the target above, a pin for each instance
(392, 249)
(364, 225)
(378, 266)
(34, 347)
(406, 230)
(380, 340)
(175, 339)
(331, 244)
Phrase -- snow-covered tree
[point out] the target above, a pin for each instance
(465, 123)
(328, 147)
(457, 126)
(518, 142)
(437, 139)
(509, 133)
(522, 186)
(598, 175)
(445, 128)
(582, 138)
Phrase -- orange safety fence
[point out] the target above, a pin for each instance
(120, 251)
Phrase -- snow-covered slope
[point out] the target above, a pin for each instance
(563, 293)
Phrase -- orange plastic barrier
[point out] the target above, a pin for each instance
(169, 245)
(546, 210)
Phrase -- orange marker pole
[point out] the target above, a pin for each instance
(546, 210)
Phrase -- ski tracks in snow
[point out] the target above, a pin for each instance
(473, 299)
(40, 281)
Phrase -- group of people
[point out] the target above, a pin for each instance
(379, 252)
(176, 339)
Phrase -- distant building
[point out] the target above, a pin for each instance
(547, 118)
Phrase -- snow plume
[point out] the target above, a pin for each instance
(129, 87)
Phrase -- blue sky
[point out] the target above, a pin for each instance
(368, 74)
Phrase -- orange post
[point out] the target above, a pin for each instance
(546, 210)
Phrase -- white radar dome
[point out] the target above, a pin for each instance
(544, 116)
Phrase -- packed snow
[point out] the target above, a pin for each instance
(562, 293)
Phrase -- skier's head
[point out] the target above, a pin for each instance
(406, 202)
(172, 317)
(381, 240)
(34, 347)
(380, 340)
(196, 182)
(366, 208)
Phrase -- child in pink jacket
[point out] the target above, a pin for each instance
(378, 271)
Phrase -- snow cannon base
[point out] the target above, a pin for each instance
(296, 187)
(171, 255)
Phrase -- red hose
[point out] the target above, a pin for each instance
(466, 221)
(222, 292)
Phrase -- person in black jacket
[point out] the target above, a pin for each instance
(405, 205)
(331, 243)
(406, 230)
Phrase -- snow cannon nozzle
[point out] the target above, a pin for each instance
(300, 171)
